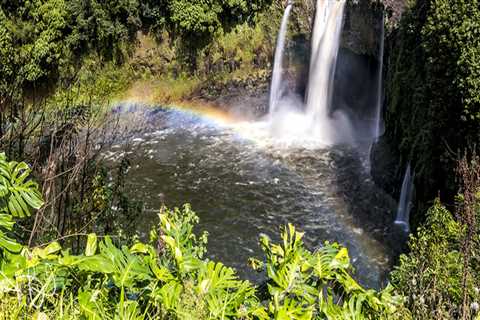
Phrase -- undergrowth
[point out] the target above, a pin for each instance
(169, 277)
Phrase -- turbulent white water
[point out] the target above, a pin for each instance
(378, 115)
(276, 85)
(404, 205)
(331, 127)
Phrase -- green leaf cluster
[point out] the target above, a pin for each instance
(211, 16)
(42, 41)
(18, 196)
(430, 275)
(319, 285)
(169, 279)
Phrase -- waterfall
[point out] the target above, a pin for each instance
(378, 115)
(321, 17)
(276, 85)
(325, 44)
(405, 203)
(312, 119)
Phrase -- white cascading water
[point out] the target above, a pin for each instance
(378, 111)
(329, 127)
(276, 89)
(321, 18)
(317, 122)
(325, 44)
(405, 203)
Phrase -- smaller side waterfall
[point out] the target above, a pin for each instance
(276, 85)
(378, 113)
(405, 203)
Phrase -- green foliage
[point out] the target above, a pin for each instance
(430, 276)
(453, 51)
(169, 279)
(102, 26)
(433, 91)
(18, 196)
(45, 40)
(306, 285)
(134, 282)
(6, 54)
(209, 16)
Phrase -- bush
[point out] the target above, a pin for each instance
(430, 276)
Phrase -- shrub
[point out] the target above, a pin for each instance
(430, 276)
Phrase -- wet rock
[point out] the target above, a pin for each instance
(386, 171)
(362, 27)
(362, 24)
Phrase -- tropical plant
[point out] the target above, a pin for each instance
(169, 279)
(318, 285)
(18, 196)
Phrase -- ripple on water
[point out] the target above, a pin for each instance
(243, 183)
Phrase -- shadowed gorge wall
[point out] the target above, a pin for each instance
(432, 98)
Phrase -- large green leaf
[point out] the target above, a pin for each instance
(9, 244)
(124, 267)
(91, 245)
(18, 195)
(6, 224)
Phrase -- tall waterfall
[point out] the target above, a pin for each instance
(325, 44)
(312, 119)
(404, 205)
(276, 85)
(378, 114)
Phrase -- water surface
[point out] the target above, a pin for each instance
(242, 184)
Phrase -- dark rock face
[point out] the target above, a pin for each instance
(247, 98)
(386, 172)
(363, 27)
(355, 84)
(387, 166)
(362, 24)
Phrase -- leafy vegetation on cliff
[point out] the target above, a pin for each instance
(45, 41)
(432, 120)
(430, 276)
(433, 92)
